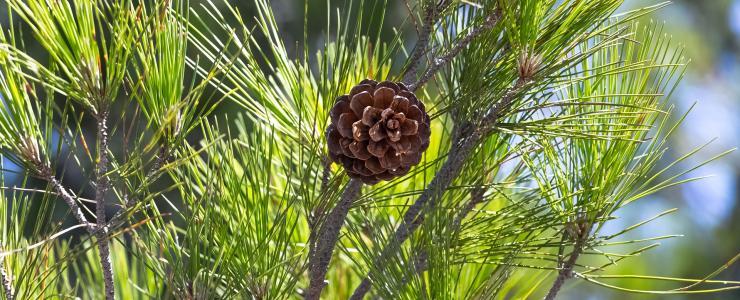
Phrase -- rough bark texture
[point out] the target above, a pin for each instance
(7, 286)
(566, 271)
(45, 173)
(102, 184)
(442, 60)
(327, 238)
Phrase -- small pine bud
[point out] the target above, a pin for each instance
(174, 121)
(29, 148)
(579, 229)
(529, 64)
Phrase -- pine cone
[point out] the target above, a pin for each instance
(378, 131)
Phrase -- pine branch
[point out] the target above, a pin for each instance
(7, 287)
(566, 270)
(468, 137)
(431, 15)
(102, 184)
(44, 172)
(476, 197)
(327, 238)
(444, 59)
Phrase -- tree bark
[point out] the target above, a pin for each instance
(566, 271)
(7, 286)
(327, 238)
(102, 184)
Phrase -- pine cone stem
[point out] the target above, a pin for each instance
(327, 239)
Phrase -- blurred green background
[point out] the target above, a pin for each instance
(709, 214)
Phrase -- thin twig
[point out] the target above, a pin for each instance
(327, 238)
(566, 271)
(102, 184)
(421, 263)
(129, 201)
(7, 286)
(430, 18)
(442, 60)
(45, 173)
(476, 197)
(326, 174)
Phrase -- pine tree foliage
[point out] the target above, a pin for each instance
(548, 117)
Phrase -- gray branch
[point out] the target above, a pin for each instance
(566, 270)
(430, 19)
(45, 173)
(7, 286)
(102, 184)
(463, 43)
(327, 238)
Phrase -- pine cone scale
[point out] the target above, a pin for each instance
(383, 96)
(359, 102)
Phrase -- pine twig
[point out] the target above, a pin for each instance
(430, 18)
(327, 238)
(7, 286)
(19, 189)
(325, 174)
(421, 263)
(102, 184)
(44, 172)
(444, 59)
(476, 197)
(566, 270)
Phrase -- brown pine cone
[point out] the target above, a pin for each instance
(378, 131)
